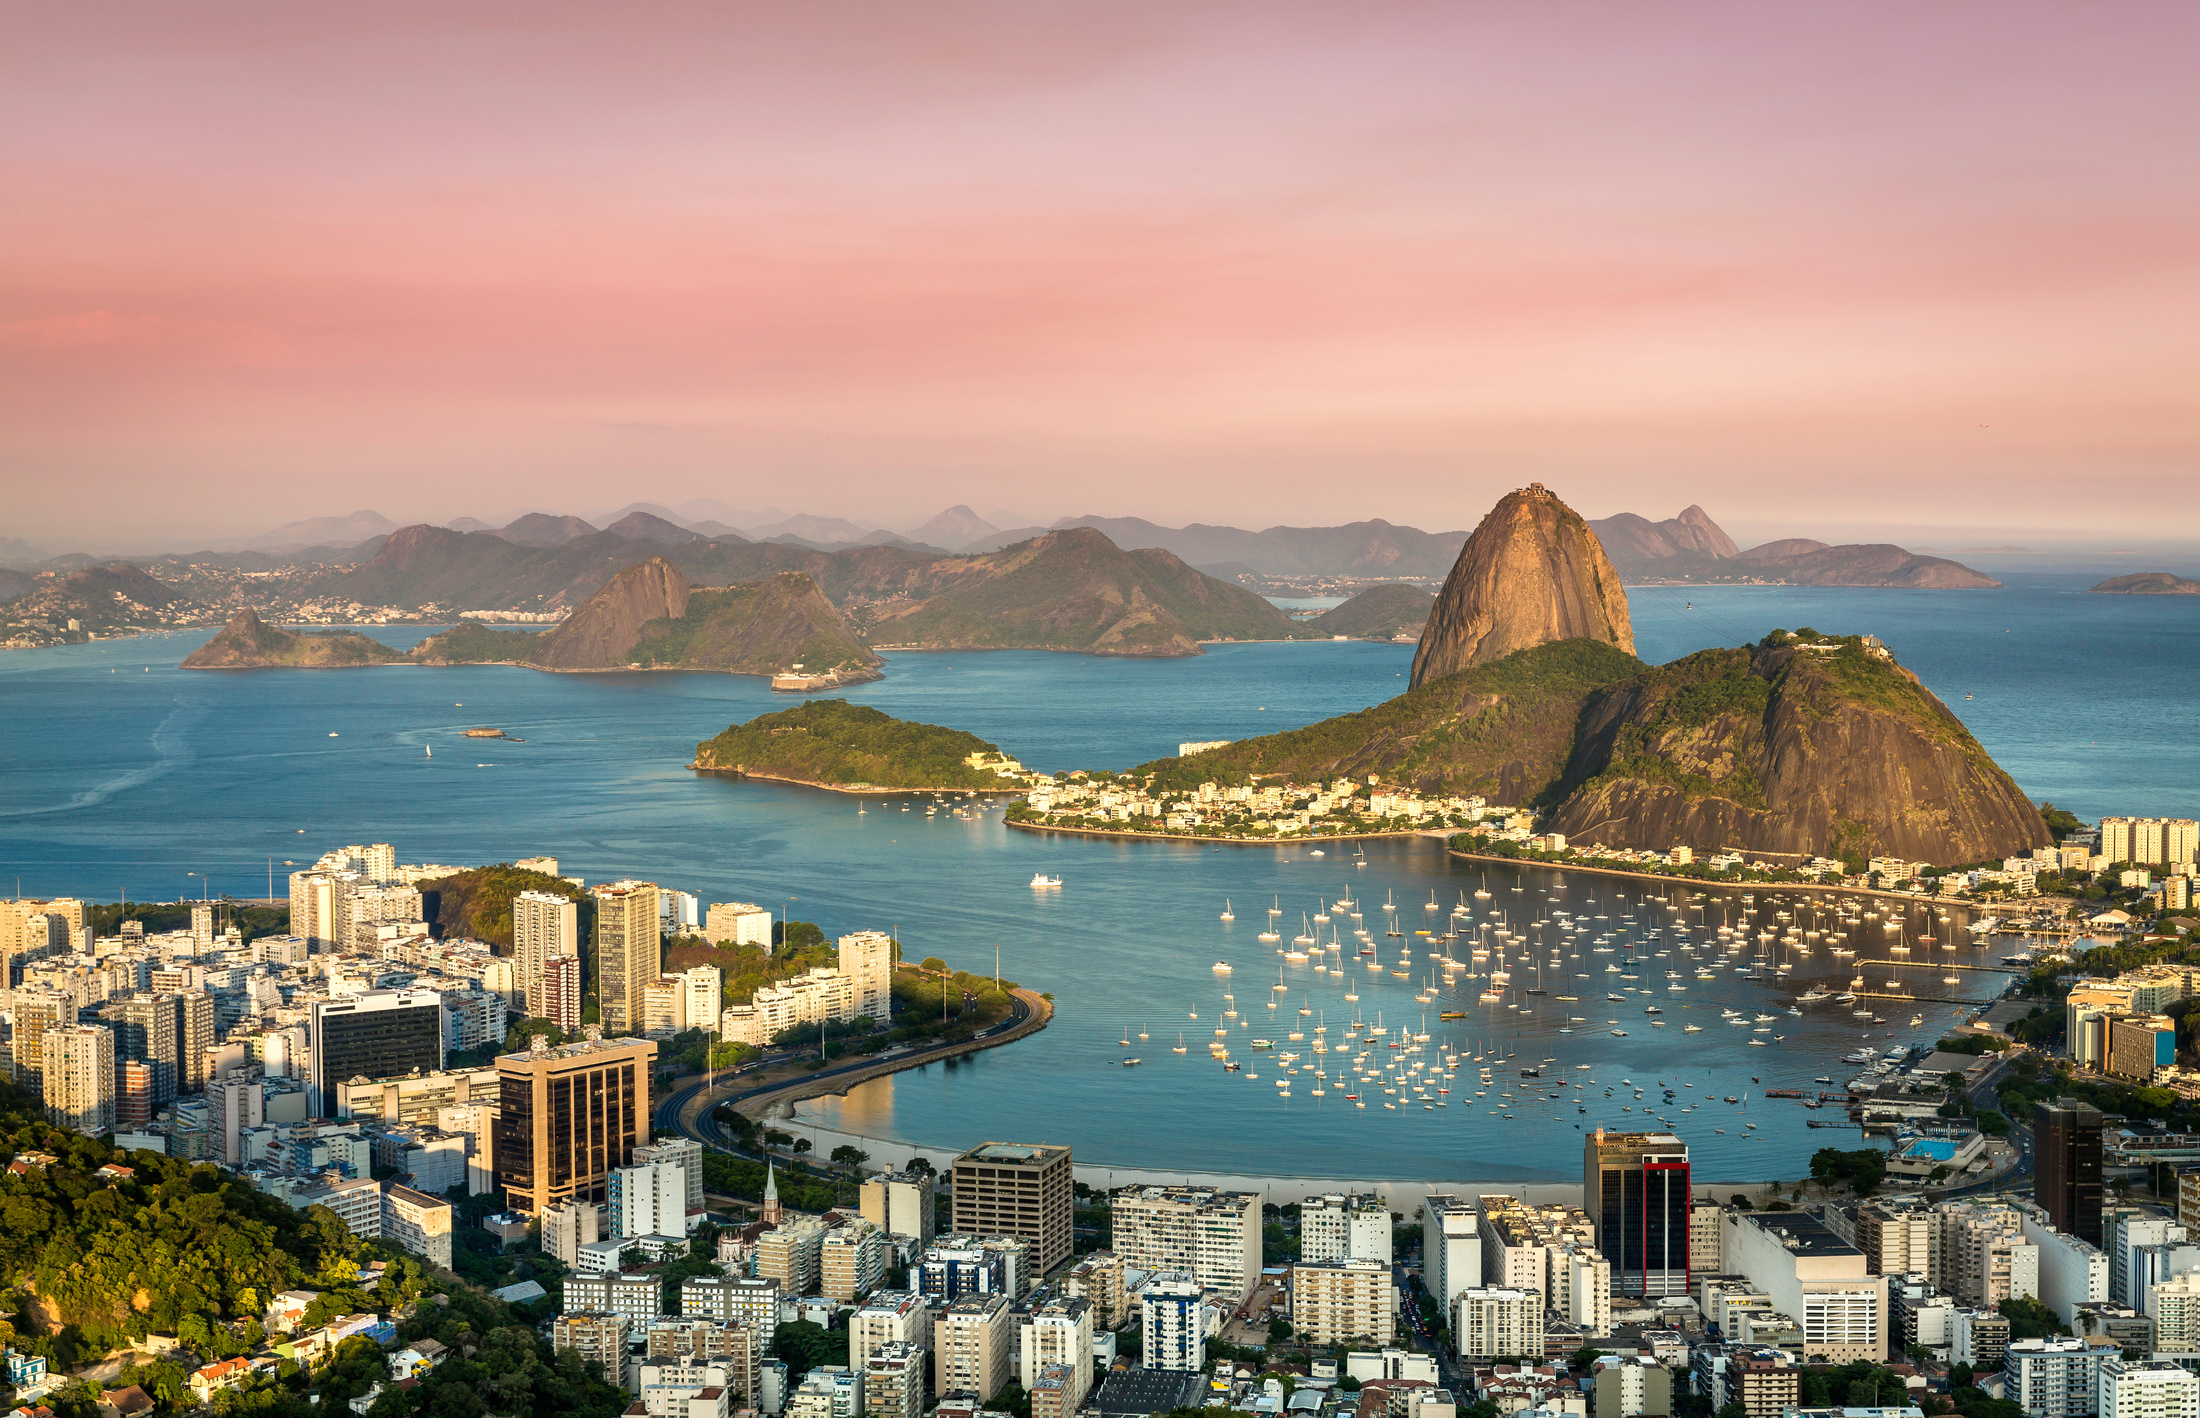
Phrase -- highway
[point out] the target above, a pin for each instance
(685, 1112)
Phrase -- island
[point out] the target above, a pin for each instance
(249, 643)
(2147, 583)
(853, 748)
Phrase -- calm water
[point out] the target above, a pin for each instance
(125, 773)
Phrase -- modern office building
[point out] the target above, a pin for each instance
(1212, 1235)
(1020, 1189)
(2067, 1137)
(567, 1116)
(378, 1034)
(628, 951)
(1635, 1189)
(1344, 1302)
(1344, 1227)
(545, 926)
(2139, 1045)
(1172, 1329)
(79, 1078)
(901, 1204)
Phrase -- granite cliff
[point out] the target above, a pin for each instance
(600, 633)
(1532, 573)
(249, 643)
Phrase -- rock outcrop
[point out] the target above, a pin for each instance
(760, 628)
(1833, 750)
(599, 635)
(249, 643)
(1630, 539)
(1532, 573)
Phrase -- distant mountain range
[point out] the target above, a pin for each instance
(1692, 549)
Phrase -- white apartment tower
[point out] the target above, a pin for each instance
(1451, 1246)
(1172, 1329)
(544, 925)
(867, 959)
(1341, 1227)
(2148, 1388)
(80, 1078)
(1497, 1323)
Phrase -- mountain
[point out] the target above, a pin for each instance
(600, 633)
(540, 529)
(831, 743)
(1391, 611)
(1627, 537)
(1796, 745)
(249, 643)
(14, 585)
(1691, 547)
(958, 526)
(468, 524)
(759, 628)
(2148, 583)
(1077, 590)
(648, 615)
(815, 530)
(1373, 548)
(1532, 573)
(318, 531)
(1871, 564)
(647, 527)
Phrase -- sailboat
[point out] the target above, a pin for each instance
(1227, 913)
(431, 749)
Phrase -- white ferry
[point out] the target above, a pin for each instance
(1040, 880)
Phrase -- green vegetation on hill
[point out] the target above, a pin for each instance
(249, 643)
(90, 1264)
(1687, 697)
(478, 903)
(1502, 730)
(833, 743)
(471, 643)
(758, 628)
(1380, 612)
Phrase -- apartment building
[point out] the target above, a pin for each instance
(1813, 1277)
(2147, 1388)
(851, 1261)
(595, 1336)
(1899, 1240)
(893, 1381)
(1214, 1236)
(2054, 1378)
(1099, 1278)
(901, 1204)
(629, 950)
(1172, 1327)
(888, 1317)
(1059, 1332)
(792, 1253)
(746, 1300)
(1550, 1249)
(1451, 1246)
(1492, 1323)
(971, 1342)
(637, 1296)
(1344, 1302)
(1338, 1226)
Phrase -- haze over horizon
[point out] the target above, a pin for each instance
(1865, 273)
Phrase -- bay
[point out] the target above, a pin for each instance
(124, 773)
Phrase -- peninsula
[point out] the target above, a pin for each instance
(2148, 583)
(249, 643)
(830, 743)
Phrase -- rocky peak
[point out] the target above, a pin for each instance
(1532, 573)
(608, 625)
(1694, 531)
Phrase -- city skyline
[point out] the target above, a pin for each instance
(1821, 272)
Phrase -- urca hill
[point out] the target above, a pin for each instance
(1527, 692)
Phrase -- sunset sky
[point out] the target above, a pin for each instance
(1821, 268)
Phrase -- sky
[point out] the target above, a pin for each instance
(1817, 267)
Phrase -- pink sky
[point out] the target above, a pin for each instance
(1814, 266)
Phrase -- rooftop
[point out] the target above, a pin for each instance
(1801, 1233)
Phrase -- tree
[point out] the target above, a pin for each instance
(849, 1155)
(1279, 1330)
(1732, 1410)
(2029, 1319)
(1741, 1202)
(920, 1167)
(1348, 1384)
(801, 1144)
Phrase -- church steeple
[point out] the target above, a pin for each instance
(773, 1212)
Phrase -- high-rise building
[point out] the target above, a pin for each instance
(893, 1382)
(566, 1227)
(567, 1116)
(545, 926)
(1173, 1332)
(971, 1340)
(1214, 1235)
(687, 1154)
(133, 1096)
(1451, 1246)
(148, 1029)
(867, 959)
(2067, 1133)
(2140, 1044)
(196, 1032)
(315, 902)
(1099, 1277)
(1899, 1240)
(628, 953)
(377, 1034)
(1343, 1302)
(851, 1262)
(792, 1253)
(1341, 1227)
(1814, 1278)
(901, 1204)
(734, 1299)
(1059, 1331)
(1489, 1323)
(37, 1013)
(647, 1199)
(79, 1078)
(202, 926)
(1635, 1188)
(702, 997)
(561, 992)
(234, 1102)
(595, 1335)
(2058, 1377)
(1018, 1189)
(888, 1317)
(2148, 1388)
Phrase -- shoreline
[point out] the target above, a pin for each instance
(1222, 841)
(1704, 884)
(852, 791)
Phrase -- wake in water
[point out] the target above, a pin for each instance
(171, 742)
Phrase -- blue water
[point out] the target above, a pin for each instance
(127, 774)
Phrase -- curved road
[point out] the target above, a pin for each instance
(685, 1110)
